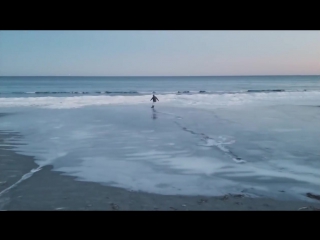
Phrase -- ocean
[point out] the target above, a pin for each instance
(255, 135)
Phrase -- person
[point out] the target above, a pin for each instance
(154, 98)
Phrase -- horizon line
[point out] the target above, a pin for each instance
(262, 75)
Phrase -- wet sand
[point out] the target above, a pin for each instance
(51, 190)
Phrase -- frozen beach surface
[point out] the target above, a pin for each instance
(259, 144)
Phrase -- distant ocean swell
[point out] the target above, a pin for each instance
(148, 93)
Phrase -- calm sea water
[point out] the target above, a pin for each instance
(62, 86)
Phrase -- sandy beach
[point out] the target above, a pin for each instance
(50, 190)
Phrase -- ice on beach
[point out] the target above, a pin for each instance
(259, 143)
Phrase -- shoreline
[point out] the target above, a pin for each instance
(52, 190)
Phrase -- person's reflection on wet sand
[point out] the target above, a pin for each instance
(154, 113)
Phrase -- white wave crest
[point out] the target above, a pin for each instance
(199, 100)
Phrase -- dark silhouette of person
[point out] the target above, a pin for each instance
(155, 99)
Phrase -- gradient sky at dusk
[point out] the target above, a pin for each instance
(159, 53)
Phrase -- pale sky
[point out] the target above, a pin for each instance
(159, 53)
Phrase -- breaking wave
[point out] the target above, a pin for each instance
(188, 99)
